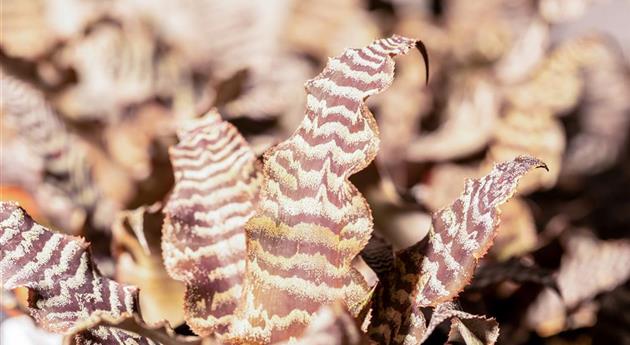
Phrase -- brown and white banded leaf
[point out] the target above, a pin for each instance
(311, 221)
(65, 286)
(436, 269)
(216, 190)
(463, 232)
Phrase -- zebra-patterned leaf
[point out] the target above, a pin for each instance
(216, 188)
(435, 270)
(311, 221)
(65, 287)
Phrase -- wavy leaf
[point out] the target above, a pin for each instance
(436, 269)
(67, 293)
(203, 240)
(312, 222)
(65, 286)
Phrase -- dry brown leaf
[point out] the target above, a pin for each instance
(474, 330)
(589, 267)
(244, 34)
(517, 270)
(485, 31)
(117, 66)
(444, 183)
(556, 11)
(273, 94)
(314, 29)
(604, 118)
(401, 223)
(137, 249)
(473, 103)
(517, 233)
(398, 116)
(30, 28)
(525, 54)
(130, 141)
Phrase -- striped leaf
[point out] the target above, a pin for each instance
(65, 286)
(311, 221)
(216, 188)
(436, 269)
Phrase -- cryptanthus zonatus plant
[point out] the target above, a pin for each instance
(266, 249)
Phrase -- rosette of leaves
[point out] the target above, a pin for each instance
(267, 253)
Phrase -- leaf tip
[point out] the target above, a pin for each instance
(425, 55)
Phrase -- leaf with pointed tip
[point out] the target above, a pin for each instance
(216, 190)
(312, 222)
(436, 269)
(530, 131)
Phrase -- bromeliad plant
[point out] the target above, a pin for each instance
(268, 251)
